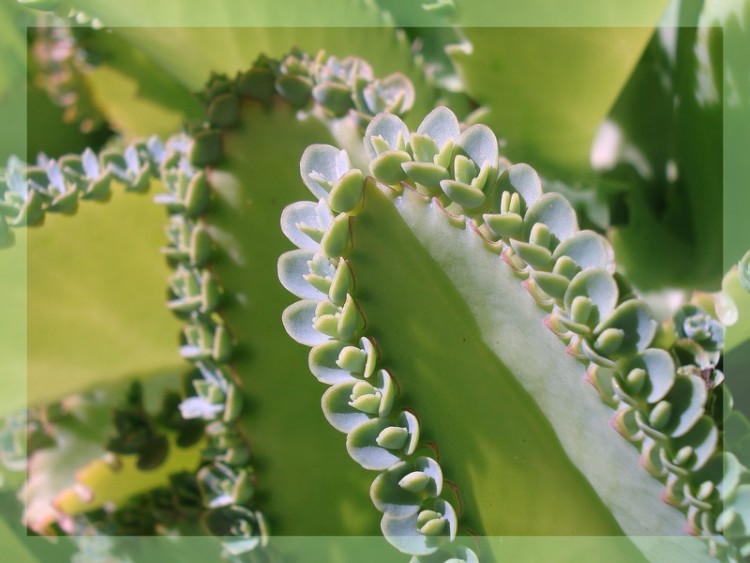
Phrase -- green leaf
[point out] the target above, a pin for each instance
(477, 337)
(92, 281)
(191, 54)
(13, 21)
(662, 144)
(546, 89)
(243, 221)
(738, 309)
(734, 20)
(115, 481)
(135, 95)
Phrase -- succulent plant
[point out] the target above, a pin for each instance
(493, 370)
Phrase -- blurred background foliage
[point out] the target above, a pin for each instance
(638, 113)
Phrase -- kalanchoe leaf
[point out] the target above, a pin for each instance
(680, 409)
(342, 282)
(594, 311)
(693, 323)
(743, 267)
(323, 362)
(588, 250)
(463, 194)
(350, 403)
(598, 288)
(299, 220)
(346, 193)
(206, 148)
(637, 324)
(335, 97)
(153, 453)
(479, 143)
(426, 174)
(692, 450)
(386, 132)
(522, 179)
(337, 238)
(222, 485)
(554, 211)
(380, 442)
(552, 284)
(292, 269)
(201, 408)
(298, 322)
(391, 167)
(295, 89)
(258, 83)
(393, 94)
(421, 533)
(224, 110)
(236, 521)
(649, 375)
(400, 490)
(321, 168)
(440, 125)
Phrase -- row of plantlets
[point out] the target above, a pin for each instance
(663, 385)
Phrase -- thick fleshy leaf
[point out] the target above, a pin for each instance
(523, 179)
(702, 441)
(323, 364)
(304, 214)
(364, 449)
(441, 125)
(598, 286)
(292, 267)
(344, 414)
(545, 108)
(587, 249)
(298, 322)
(686, 398)
(634, 318)
(404, 535)
(325, 162)
(425, 240)
(659, 366)
(554, 211)
(390, 492)
(480, 144)
(388, 126)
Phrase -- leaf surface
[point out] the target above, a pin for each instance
(300, 461)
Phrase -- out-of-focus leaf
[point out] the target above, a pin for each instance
(734, 17)
(21, 546)
(545, 90)
(79, 437)
(136, 96)
(430, 33)
(104, 480)
(96, 298)
(739, 332)
(558, 13)
(13, 21)
(190, 54)
(300, 13)
(76, 473)
(48, 133)
(662, 144)
(13, 325)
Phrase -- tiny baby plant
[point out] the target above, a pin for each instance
(350, 302)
